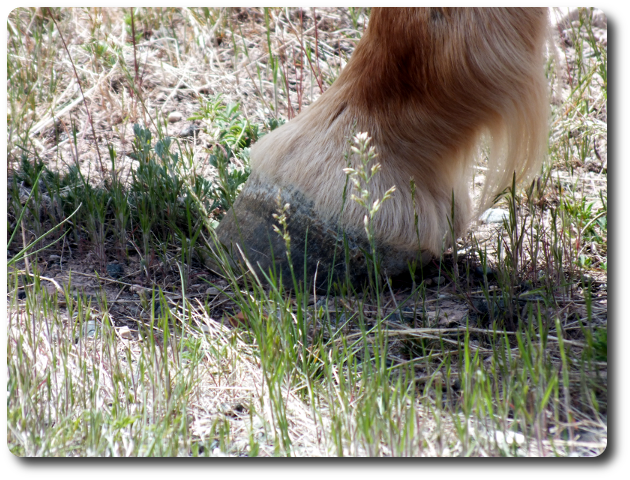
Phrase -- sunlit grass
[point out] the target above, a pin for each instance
(504, 355)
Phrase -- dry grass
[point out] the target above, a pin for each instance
(224, 384)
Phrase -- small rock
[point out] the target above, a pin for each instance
(125, 333)
(322, 302)
(212, 291)
(115, 270)
(89, 329)
(189, 131)
(494, 215)
(175, 117)
(481, 306)
(439, 280)
(54, 259)
(490, 273)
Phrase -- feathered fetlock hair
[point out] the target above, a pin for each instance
(429, 85)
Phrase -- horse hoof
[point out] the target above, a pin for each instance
(320, 251)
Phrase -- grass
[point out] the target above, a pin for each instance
(121, 342)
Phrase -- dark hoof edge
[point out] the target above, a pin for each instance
(316, 244)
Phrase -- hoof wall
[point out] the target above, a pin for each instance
(320, 250)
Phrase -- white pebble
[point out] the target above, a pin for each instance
(174, 117)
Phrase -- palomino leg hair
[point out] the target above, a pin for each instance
(428, 85)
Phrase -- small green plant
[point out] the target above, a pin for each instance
(226, 123)
(165, 195)
(233, 136)
(229, 180)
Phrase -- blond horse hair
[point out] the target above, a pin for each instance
(430, 86)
